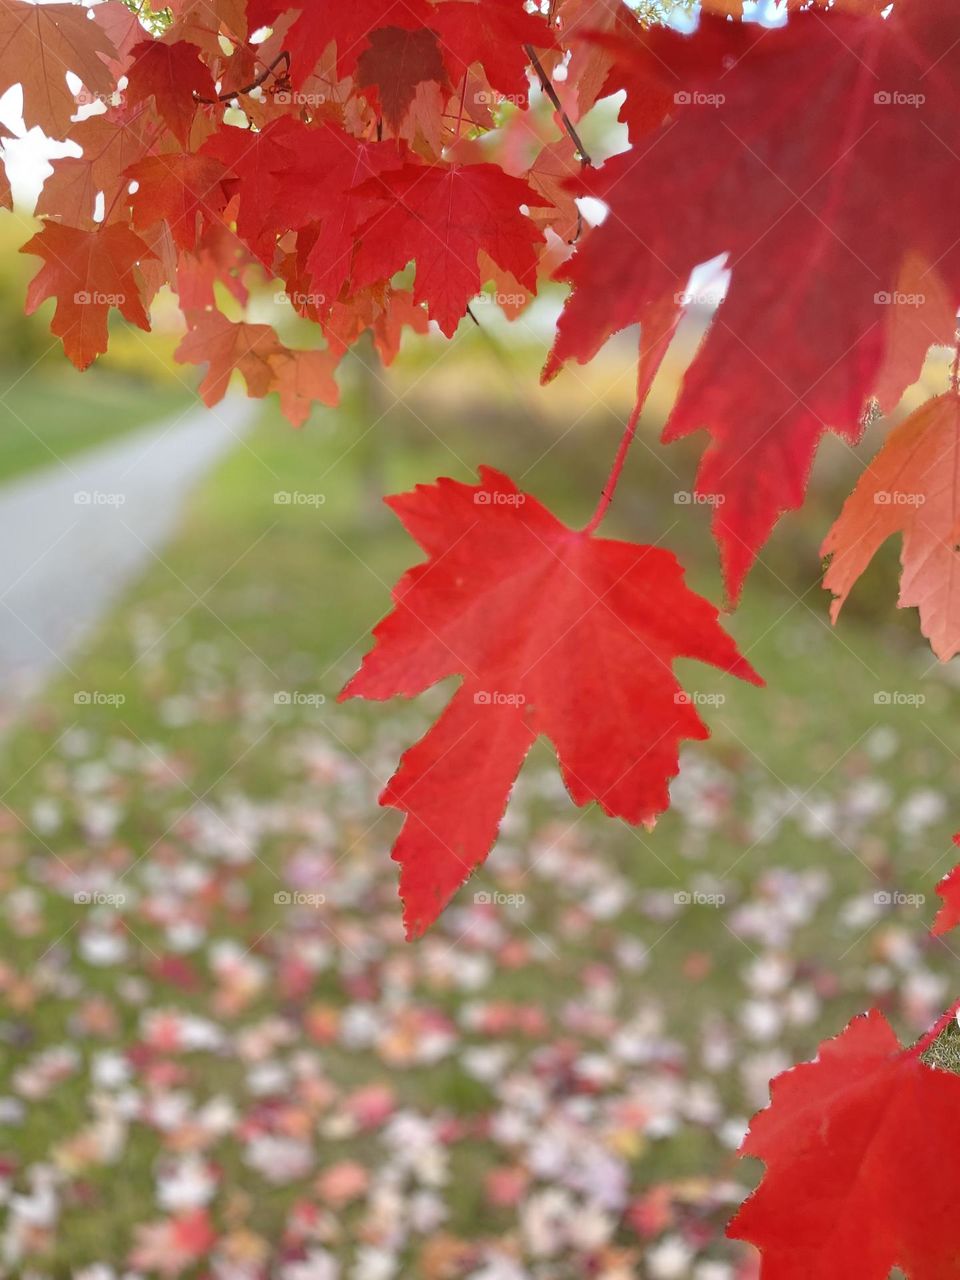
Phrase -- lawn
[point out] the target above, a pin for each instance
(46, 417)
(220, 1056)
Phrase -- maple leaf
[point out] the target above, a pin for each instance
(218, 258)
(259, 164)
(443, 216)
(254, 350)
(817, 220)
(171, 74)
(554, 631)
(184, 189)
(333, 198)
(862, 1172)
(39, 44)
(201, 22)
(911, 488)
(292, 176)
(264, 13)
(123, 30)
(948, 917)
(589, 62)
(110, 143)
(88, 272)
(494, 33)
(394, 63)
(550, 175)
(385, 312)
(350, 27)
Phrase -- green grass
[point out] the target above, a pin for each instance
(48, 416)
(267, 597)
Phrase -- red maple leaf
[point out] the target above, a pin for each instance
(350, 26)
(910, 487)
(183, 189)
(319, 193)
(948, 917)
(171, 74)
(39, 44)
(264, 167)
(254, 350)
(88, 272)
(394, 63)
(813, 156)
(443, 216)
(110, 143)
(862, 1171)
(494, 33)
(555, 632)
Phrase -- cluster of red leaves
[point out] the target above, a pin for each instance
(326, 147)
(310, 146)
(802, 156)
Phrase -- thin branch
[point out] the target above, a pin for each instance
(547, 85)
(284, 56)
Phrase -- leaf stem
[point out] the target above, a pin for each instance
(616, 471)
(463, 99)
(547, 85)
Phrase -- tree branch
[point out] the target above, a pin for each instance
(547, 85)
(254, 84)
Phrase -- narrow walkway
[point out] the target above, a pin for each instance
(74, 535)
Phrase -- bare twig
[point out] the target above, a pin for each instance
(547, 85)
(254, 84)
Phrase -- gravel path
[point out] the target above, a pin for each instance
(75, 534)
